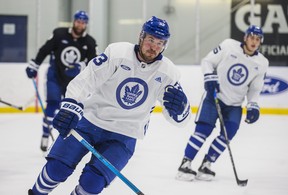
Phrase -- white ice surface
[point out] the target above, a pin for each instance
(260, 153)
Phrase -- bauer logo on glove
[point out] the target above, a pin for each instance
(73, 108)
(68, 116)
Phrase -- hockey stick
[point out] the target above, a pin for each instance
(22, 108)
(239, 182)
(11, 105)
(105, 162)
(42, 107)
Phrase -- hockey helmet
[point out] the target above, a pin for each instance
(156, 27)
(255, 30)
(81, 15)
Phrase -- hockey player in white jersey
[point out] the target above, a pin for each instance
(236, 71)
(109, 104)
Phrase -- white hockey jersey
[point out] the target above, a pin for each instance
(239, 74)
(119, 92)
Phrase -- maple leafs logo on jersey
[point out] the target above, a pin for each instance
(131, 94)
(70, 56)
(237, 74)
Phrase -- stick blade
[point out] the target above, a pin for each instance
(242, 183)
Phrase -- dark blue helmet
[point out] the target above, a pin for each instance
(81, 15)
(255, 30)
(156, 27)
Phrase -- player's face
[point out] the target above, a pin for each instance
(150, 48)
(252, 43)
(79, 26)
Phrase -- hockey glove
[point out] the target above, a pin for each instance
(32, 69)
(175, 100)
(252, 112)
(211, 84)
(73, 70)
(68, 116)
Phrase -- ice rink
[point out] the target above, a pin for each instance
(259, 151)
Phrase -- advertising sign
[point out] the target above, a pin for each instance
(272, 17)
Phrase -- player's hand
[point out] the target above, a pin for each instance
(73, 70)
(252, 112)
(175, 100)
(211, 84)
(32, 69)
(68, 116)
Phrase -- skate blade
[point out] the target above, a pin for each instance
(204, 177)
(184, 176)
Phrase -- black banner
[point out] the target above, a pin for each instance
(272, 17)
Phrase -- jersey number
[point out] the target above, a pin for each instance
(217, 49)
(100, 59)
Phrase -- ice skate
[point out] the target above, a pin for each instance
(185, 172)
(204, 172)
(44, 143)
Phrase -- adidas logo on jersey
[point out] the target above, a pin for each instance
(158, 79)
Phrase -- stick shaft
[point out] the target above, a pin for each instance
(11, 105)
(239, 182)
(42, 106)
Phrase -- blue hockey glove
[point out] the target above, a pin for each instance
(211, 84)
(252, 112)
(68, 116)
(175, 100)
(32, 69)
(73, 70)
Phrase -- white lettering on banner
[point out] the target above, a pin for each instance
(274, 50)
(241, 13)
(275, 15)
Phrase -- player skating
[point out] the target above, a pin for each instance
(109, 104)
(70, 49)
(236, 71)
